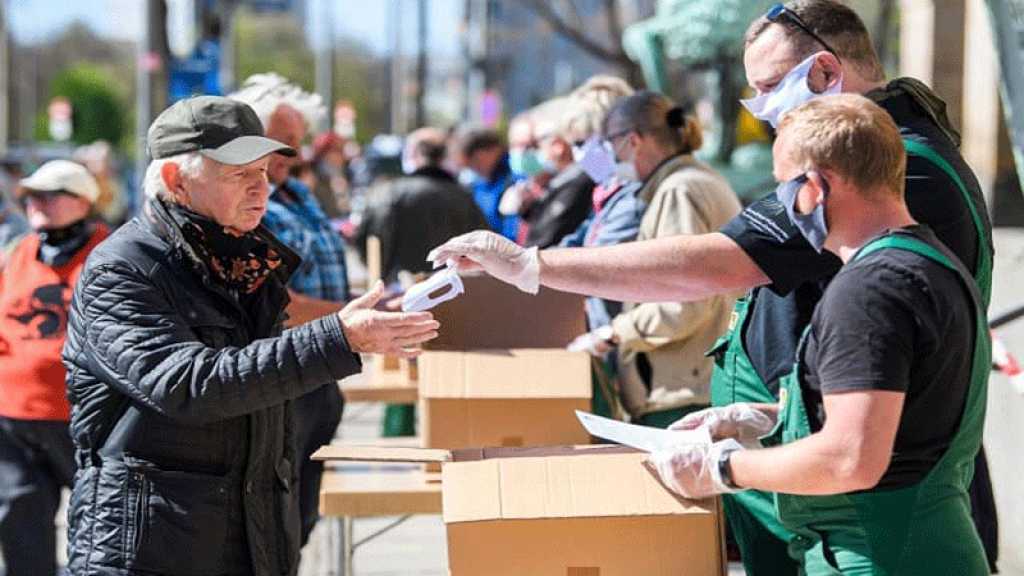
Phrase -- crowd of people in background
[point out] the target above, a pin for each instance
(600, 166)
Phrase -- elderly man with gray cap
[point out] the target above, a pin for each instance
(37, 273)
(180, 373)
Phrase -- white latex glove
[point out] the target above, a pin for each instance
(692, 470)
(596, 342)
(740, 421)
(494, 254)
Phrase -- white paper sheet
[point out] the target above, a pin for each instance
(640, 437)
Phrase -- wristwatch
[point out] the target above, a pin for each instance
(725, 471)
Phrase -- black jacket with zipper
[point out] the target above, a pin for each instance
(180, 411)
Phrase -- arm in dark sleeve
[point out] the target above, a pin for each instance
(865, 333)
(379, 221)
(137, 342)
(933, 198)
(764, 232)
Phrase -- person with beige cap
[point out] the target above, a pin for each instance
(37, 276)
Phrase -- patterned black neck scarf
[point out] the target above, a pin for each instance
(241, 262)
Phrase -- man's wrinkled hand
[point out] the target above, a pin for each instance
(371, 331)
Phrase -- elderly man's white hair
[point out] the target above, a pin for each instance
(265, 92)
(189, 164)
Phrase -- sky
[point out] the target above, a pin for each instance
(367, 21)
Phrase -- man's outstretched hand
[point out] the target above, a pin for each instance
(394, 333)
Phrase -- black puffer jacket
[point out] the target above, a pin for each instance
(566, 204)
(180, 412)
(415, 213)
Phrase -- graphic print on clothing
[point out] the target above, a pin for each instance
(45, 315)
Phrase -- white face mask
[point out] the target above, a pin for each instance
(791, 92)
(596, 159)
(626, 171)
(467, 177)
(437, 289)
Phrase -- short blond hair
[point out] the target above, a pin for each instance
(545, 117)
(588, 105)
(850, 135)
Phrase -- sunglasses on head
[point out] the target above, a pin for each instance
(779, 13)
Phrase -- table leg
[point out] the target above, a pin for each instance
(347, 546)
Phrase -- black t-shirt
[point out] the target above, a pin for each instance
(799, 274)
(898, 321)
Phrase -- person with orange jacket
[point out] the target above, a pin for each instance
(38, 272)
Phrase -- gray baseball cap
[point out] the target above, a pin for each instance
(219, 128)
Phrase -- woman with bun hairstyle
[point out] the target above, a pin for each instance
(662, 368)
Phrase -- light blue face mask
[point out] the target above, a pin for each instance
(791, 92)
(812, 226)
(525, 163)
(467, 177)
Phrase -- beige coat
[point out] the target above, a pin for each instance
(684, 196)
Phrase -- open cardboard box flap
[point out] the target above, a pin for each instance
(515, 373)
(542, 482)
(492, 315)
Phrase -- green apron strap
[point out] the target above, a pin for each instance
(906, 243)
(918, 530)
(983, 270)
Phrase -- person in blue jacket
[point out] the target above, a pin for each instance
(483, 152)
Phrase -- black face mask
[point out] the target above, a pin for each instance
(241, 262)
(57, 236)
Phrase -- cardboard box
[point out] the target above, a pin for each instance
(563, 511)
(493, 315)
(499, 375)
(503, 398)
(391, 371)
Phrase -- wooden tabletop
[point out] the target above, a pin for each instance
(396, 389)
(380, 490)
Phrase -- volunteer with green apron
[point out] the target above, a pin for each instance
(735, 384)
(881, 418)
(766, 324)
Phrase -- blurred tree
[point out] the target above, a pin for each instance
(34, 67)
(274, 43)
(363, 79)
(98, 112)
(564, 18)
